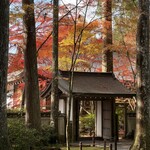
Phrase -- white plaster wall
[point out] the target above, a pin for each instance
(62, 105)
(99, 119)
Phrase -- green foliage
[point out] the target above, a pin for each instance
(48, 135)
(22, 138)
(87, 122)
(120, 113)
(86, 148)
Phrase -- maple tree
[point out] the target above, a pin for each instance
(43, 17)
(88, 60)
(124, 35)
(89, 47)
(44, 27)
(80, 48)
(74, 42)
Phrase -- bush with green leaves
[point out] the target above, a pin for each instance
(87, 122)
(48, 135)
(22, 138)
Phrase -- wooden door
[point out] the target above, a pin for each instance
(107, 113)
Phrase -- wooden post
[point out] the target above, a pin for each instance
(80, 146)
(104, 144)
(110, 146)
(115, 144)
(93, 139)
(31, 148)
(74, 120)
(125, 120)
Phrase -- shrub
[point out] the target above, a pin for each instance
(48, 135)
(87, 122)
(22, 138)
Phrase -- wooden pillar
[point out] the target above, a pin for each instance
(113, 119)
(108, 118)
(115, 122)
(125, 120)
(75, 120)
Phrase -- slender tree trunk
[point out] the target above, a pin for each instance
(4, 41)
(142, 135)
(107, 55)
(33, 116)
(54, 89)
(69, 101)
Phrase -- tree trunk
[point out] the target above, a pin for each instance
(142, 135)
(22, 100)
(33, 116)
(107, 55)
(54, 89)
(69, 101)
(4, 41)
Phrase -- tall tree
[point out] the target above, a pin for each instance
(4, 36)
(54, 89)
(31, 76)
(142, 135)
(107, 55)
(77, 42)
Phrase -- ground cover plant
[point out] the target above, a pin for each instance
(85, 148)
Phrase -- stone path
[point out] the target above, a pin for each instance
(124, 145)
(121, 145)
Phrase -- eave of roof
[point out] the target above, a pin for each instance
(91, 83)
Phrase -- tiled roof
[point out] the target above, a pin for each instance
(14, 77)
(92, 83)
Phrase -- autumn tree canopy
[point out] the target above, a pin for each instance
(85, 20)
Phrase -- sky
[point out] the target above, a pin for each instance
(69, 1)
(65, 1)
